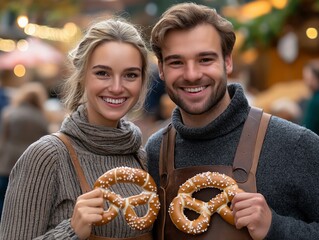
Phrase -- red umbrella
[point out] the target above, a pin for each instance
(37, 53)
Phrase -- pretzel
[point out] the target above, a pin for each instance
(117, 203)
(205, 209)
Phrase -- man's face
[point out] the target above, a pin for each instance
(194, 70)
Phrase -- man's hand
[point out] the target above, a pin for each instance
(252, 211)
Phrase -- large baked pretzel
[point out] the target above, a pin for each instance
(205, 209)
(148, 196)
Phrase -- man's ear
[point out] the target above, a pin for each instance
(229, 64)
(160, 70)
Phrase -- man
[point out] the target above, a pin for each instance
(193, 45)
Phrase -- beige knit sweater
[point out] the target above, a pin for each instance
(43, 187)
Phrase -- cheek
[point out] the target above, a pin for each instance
(93, 81)
(136, 90)
(170, 75)
(89, 89)
(93, 87)
(217, 71)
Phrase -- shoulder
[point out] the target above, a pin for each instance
(285, 128)
(48, 143)
(154, 141)
(286, 134)
(45, 152)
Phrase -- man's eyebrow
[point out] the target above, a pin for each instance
(201, 54)
(210, 53)
(172, 57)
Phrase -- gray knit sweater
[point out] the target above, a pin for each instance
(288, 170)
(43, 187)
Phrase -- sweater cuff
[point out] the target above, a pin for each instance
(274, 230)
(65, 231)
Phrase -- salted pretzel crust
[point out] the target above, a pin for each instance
(219, 204)
(148, 196)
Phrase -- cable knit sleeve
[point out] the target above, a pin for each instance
(31, 196)
(62, 231)
(152, 148)
(300, 222)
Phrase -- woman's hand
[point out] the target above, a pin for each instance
(88, 209)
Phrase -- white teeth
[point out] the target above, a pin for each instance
(114, 101)
(194, 90)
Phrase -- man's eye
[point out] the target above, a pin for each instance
(175, 63)
(204, 60)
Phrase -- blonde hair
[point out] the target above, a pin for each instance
(117, 29)
(185, 16)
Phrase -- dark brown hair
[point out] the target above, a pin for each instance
(185, 16)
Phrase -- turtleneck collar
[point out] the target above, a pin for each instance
(234, 115)
(125, 139)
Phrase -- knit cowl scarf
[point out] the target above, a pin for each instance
(123, 140)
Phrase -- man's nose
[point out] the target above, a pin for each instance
(192, 72)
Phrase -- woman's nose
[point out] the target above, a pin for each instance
(116, 85)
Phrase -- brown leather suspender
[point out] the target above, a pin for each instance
(260, 139)
(76, 164)
(247, 154)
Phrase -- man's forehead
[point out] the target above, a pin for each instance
(203, 39)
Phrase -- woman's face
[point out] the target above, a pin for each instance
(113, 82)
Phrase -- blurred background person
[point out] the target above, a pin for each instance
(287, 109)
(311, 79)
(4, 98)
(22, 122)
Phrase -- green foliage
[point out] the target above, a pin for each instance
(262, 31)
(44, 11)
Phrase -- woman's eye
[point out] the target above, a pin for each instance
(131, 75)
(102, 74)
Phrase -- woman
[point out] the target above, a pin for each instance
(44, 198)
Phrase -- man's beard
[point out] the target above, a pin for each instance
(212, 101)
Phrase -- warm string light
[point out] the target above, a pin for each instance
(7, 45)
(312, 33)
(19, 70)
(22, 21)
(65, 34)
(68, 34)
